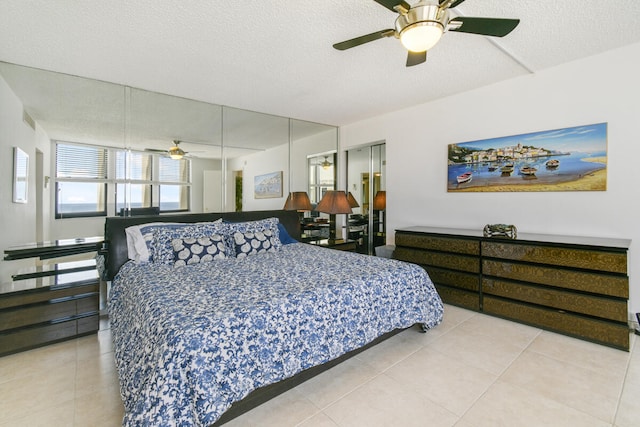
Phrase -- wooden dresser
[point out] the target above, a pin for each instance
(576, 286)
(49, 303)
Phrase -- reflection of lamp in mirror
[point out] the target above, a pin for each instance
(380, 204)
(334, 203)
(298, 201)
(380, 201)
(352, 201)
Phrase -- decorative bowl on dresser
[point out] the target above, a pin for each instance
(572, 285)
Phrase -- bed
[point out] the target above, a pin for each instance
(199, 342)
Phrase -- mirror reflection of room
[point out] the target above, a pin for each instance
(366, 184)
(321, 170)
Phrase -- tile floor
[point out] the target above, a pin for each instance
(472, 370)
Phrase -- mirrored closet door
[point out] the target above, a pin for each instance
(366, 190)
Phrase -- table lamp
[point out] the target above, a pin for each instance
(380, 201)
(352, 201)
(334, 203)
(380, 204)
(298, 201)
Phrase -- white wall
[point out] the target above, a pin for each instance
(602, 88)
(18, 219)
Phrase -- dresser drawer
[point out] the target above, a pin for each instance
(22, 298)
(466, 263)
(38, 313)
(88, 304)
(567, 257)
(447, 244)
(88, 324)
(611, 285)
(456, 279)
(459, 297)
(600, 331)
(607, 308)
(23, 339)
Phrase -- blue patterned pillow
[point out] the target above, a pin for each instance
(161, 249)
(263, 225)
(193, 250)
(140, 237)
(251, 243)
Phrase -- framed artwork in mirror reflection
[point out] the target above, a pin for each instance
(20, 175)
(268, 186)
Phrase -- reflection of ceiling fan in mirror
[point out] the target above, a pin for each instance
(419, 27)
(326, 164)
(174, 152)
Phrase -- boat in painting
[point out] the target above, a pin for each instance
(507, 169)
(552, 164)
(465, 177)
(528, 170)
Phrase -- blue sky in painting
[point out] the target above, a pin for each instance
(587, 139)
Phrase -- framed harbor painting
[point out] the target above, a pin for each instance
(569, 159)
(268, 186)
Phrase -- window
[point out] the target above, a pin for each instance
(133, 180)
(90, 178)
(321, 175)
(81, 181)
(174, 177)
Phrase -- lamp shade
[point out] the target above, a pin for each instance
(297, 201)
(380, 201)
(352, 201)
(334, 202)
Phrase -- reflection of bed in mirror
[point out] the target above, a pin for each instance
(202, 343)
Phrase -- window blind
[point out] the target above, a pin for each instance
(79, 161)
(133, 165)
(173, 170)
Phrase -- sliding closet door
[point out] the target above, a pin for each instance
(367, 183)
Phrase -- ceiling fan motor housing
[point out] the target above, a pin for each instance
(426, 22)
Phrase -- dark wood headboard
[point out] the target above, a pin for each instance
(116, 239)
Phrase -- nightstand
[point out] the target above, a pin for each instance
(341, 244)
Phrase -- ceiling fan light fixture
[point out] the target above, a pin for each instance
(421, 36)
(422, 27)
(175, 152)
(326, 164)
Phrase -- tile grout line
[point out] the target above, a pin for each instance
(499, 376)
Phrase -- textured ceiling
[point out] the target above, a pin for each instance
(277, 57)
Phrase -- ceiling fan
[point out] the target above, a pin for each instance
(174, 152)
(419, 27)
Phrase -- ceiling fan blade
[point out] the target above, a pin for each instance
(496, 27)
(155, 150)
(453, 4)
(415, 58)
(392, 4)
(348, 44)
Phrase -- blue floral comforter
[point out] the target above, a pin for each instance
(190, 341)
